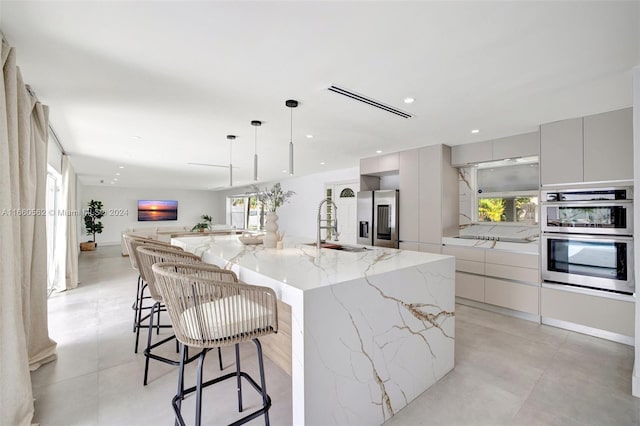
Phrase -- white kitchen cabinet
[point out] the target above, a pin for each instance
(430, 248)
(524, 145)
(596, 148)
(466, 253)
(470, 286)
(409, 176)
(616, 316)
(380, 164)
(561, 152)
(523, 260)
(428, 197)
(519, 297)
(469, 271)
(438, 202)
(471, 153)
(531, 276)
(413, 246)
(430, 201)
(509, 280)
(608, 146)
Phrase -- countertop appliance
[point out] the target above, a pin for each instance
(587, 238)
(377, 217)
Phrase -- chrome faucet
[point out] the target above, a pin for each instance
(331, 224)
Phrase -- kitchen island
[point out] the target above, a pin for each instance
(370, 331)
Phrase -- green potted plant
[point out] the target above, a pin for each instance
(92, 224)
(205, 224)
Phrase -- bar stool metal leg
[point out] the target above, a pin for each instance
(238, 378)
(263, 383)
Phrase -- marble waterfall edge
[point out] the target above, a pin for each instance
(370, 331)
(381, 342)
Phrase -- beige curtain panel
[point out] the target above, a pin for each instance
(24, 336)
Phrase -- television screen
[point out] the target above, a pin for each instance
(157, 210)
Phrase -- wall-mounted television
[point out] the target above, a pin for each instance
(157, 210)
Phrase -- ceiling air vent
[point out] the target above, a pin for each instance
(368, 101)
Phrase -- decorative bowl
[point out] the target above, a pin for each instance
(251, 239)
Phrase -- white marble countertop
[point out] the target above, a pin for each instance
(531, 247)
(303, 266)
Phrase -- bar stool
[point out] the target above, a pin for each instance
(147, 256)
(207, 313)
(133, 243)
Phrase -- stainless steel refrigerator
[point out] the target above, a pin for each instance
(378, 218)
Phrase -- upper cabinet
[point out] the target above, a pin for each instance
(596, 148)
(471, 153)
(561, 152)
(524, 145)
(380, 164)
(608, 146)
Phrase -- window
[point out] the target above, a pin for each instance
(56, 245)
(245, 212)
(507, 191)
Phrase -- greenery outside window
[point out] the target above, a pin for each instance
(507, 191)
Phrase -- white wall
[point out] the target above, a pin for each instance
(191, 205)
(297, 217)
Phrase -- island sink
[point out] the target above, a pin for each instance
(350, 249)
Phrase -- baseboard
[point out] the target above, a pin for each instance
(635, 383)
(498, 309)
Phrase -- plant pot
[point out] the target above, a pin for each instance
(88, 246)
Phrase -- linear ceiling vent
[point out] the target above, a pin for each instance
(369, 101)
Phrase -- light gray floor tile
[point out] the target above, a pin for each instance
(69, 402)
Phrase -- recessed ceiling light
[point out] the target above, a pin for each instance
(121, 167)
(322, 163)
(475, 131)
(409, 100)
(112, 182)
(284, 171)
(379, 151)
(309, 136)
(117, 174)
(115, 179)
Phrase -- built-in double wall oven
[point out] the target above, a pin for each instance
(587, 238)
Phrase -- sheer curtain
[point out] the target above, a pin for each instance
(24, 336)
(71, 225)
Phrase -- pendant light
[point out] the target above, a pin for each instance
(256, 124)
(291, 103)
(230, 138)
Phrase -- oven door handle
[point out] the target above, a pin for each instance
(595, 203)
(603, 238)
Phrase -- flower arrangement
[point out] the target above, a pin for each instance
(272, 198)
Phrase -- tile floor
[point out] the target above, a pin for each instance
(508, 371)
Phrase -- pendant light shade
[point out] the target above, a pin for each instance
(230, 138)
(256, 124)
(291, 103)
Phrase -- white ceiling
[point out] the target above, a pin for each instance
(182, 75)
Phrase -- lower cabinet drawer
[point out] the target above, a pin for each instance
(616, 316)
(513, 273)
(521, 297)
(470, 286)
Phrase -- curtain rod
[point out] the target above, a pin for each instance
(56, 139)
